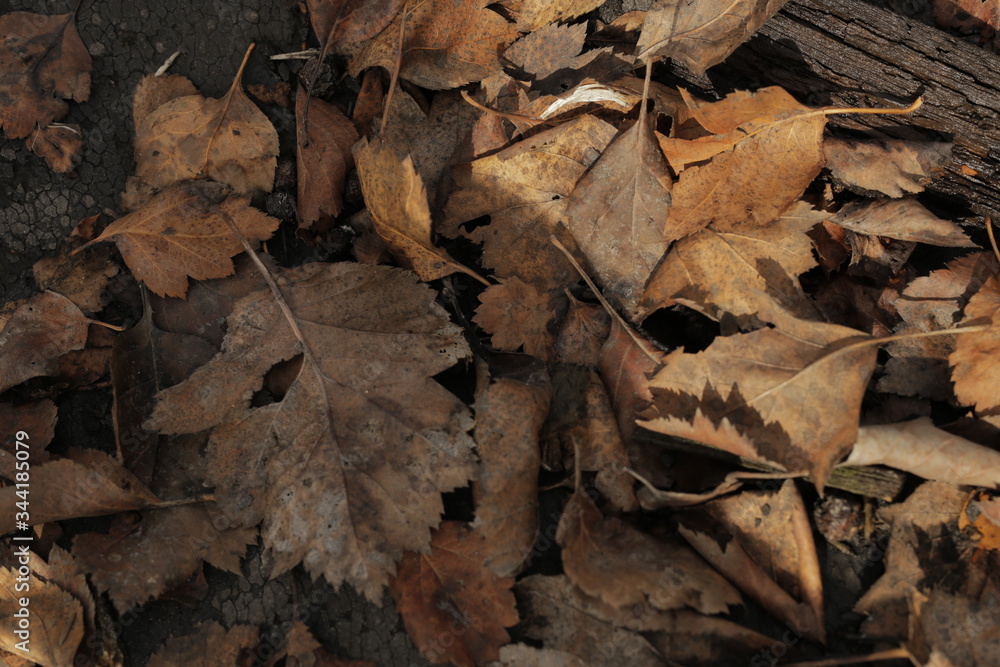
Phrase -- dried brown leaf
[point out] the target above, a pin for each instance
(536, 13)
(323, 157)
(182, 233)
(347, 24)
(976, 359)
(79, 277)
(55, 618)
(153, 91)
(61, 146)
(450, 593)
(44, 62)
(549, 49)
(903, 219)
(892, 167)
(208, 645)
(228, 140)
(515, 314)
(583, 332)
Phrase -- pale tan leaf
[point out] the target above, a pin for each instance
(903, 219)
(153, 91)
(892, 167)
(55, 618)
(536, 13)
(976, 359)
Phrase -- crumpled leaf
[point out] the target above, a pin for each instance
(323, 157)
(56, 619)
(903, 219)
(616, 214)
(794, 391)
(228, 140)
(40, 331)
(701, 33)
(447, 43)
(208, 645)
(610, 560)
(397, 201)
(346, 470)
(892, 166)
(44, 61)
(523, 189)
(449, 593)
(182, 233)
(515, 314)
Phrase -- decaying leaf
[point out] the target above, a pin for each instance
(397, 201)
(515, 314)
(795, 391)
(208, 645)
(44, 62)
(446, 44)
(523, 189)
(892, 167)
(81, 277)
(228, 140)
(448, 593)
(616, 214)
(509, 416)
(40, 331)
(346, 470)
(703, 33)
(60, 145)
(612, 561)
(55, 618)
(323, 157)
(182, 233)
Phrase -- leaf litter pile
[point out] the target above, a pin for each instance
(728, 388)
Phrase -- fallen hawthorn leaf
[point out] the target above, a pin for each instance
(208, 645)
(61, 146)
(920, 448)
(323, 156)
(182, 233)
(617, 211)
(610, 560)
(153, 91)
(523, 189)
(517, 315)
(919, 366)
(509, 417)
(79, 277)
(903, 219)
(346, 470)
(452, 606)
(44, 62)
(89, 484)
(794, 391)
(551, 48)
(704, 33)
(56, 619)
(397, 201)
(228, 140)
(976, 359)
(727, 555)
(892, 167)
(738, 270)
(40, 331)
(446, 44)
(343, 26)
(536, 13)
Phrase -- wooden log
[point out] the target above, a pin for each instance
(850, 53)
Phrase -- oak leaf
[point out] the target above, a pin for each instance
(523, 189)
(446, 44)
(207, 645)
(893, 167)
(704, 33)
(610, 560)
(346, 470)
(323, 157)
(39, 331)
(182, 233)
(794, 391)
(397, 201)
(56, 619)
(44, 62)
(228, 140)
(616, 214)
(976, 359)
(517, 315)
(450, 593)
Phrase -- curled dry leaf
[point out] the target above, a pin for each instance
(612, 561)
(40, 331)
(703, 33)
(323, 157)
(893, 167)
(446, 44)
(920, 448)
(61, 146)
(346, 470)
(509, 417)
(523, 189)
(515, 314)
(794, 391)
(397, 201)
(228, 140)
(976, 359)
(449, 593)
(902, 219)
(182, 233)
(56, 619)
(44, 62)
(616, 214)
(208, 645)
